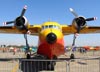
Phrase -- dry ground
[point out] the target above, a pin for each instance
(78, 65)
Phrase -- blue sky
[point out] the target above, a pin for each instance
(40, 11)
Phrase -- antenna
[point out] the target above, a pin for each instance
(49, 19)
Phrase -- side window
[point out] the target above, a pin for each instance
(56, 27)
(42, 27)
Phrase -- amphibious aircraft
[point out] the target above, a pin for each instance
(51, 34)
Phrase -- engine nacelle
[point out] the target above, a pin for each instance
(21, 23)
(79, 22)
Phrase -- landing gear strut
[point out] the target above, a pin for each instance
(51, 65)
(72, 56)
(28, 52)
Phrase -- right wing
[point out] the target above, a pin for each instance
(69, 29)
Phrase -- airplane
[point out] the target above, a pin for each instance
(89, 48)
(51, 34)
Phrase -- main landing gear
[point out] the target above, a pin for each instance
(28, 56)
(72, 56)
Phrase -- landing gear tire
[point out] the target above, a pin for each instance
(72, 56)
(28, 56)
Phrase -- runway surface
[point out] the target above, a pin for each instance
(79, 65)
(9, 62)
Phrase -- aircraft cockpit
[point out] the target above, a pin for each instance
(50, 26)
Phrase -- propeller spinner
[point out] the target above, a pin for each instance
(22, 14)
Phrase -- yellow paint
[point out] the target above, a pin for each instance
(51, 23)
(46, 30)
(35, 29)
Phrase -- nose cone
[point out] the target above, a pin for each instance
(51, 38)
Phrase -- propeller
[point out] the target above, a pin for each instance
(10, 22)
(91, 19)
(23, 11)
(76, 15)
(81, 20)
(73, 12)
(22, 14)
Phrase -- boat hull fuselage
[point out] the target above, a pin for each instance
(51, 50)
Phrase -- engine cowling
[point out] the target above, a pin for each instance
(79, 22)
(21, 23)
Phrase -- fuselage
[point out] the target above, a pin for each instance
(51, 41)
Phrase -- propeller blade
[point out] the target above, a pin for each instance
(91, 19)
(73, 12)
(5, 23)
(23, 11)
(10, 22)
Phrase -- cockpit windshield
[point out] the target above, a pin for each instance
(50, 26)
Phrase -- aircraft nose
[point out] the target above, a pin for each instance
(51, 38)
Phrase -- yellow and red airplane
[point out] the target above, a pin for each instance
(51, 34)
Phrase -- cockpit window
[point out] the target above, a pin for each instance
(43, 27)
(50, 26)
(56, 27)
(46, 26)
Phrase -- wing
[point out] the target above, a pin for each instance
(69, 29)
(34, 29)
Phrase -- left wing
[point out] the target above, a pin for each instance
(10, 30)
(34, 29)
(69, 29)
